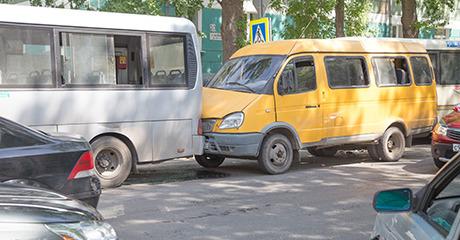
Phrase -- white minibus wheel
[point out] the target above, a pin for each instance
(112, 161)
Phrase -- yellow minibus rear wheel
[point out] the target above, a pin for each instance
(390, 147)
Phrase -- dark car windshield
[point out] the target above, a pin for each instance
(247, 74)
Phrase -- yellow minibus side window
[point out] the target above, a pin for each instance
(298, 76)
(346, 72)
(423, 75)
(391, 71)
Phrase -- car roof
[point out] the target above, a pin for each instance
(92, 19)
(290, 47)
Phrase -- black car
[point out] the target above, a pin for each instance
(32, 213)
(60, 163)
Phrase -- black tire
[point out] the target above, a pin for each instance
(276, 154)
(372, 150)
(112, 161)
(439, 164)
(391, 146)
(209, 161)
(322, 152)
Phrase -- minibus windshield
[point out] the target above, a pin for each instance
(247, 74)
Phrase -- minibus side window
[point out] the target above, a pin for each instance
(391, 71)
(100, 59)
(422, 71)
(25, 57)
(298, 76)
(346, 72)
(449, 67)
(167, 60)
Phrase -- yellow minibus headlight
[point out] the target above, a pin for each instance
(233, 120)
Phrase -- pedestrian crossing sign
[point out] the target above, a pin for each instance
(259, 30)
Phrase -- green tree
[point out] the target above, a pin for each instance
(340, 18)
(435, 14)
(307, 18)
(184, 8)
(356, 19)
(315, 19)
(75, 4)
(149, 7)
(233, 26)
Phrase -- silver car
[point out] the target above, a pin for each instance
(430, 214)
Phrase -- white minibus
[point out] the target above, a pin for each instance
(445, 58)
(129, 84)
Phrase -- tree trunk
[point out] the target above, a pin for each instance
(339, 18)
(232, 12)
(409, 18)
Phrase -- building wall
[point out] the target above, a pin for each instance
(211, 43)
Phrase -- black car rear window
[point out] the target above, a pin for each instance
(12, 138)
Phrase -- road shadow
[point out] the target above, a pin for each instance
(188, 170)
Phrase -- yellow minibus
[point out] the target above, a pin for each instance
(271, 100)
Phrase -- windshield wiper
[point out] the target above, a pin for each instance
(242, 85)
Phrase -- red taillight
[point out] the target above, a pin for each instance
(200, 127)
(84, 166)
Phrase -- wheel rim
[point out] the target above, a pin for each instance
(107, 162)
(394, 145)
(278, 155)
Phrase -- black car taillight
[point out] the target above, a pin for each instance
(84, 166)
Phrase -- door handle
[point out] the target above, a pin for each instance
(334, 116)
(312, 106)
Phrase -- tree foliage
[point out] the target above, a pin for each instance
(315, 19)
(309, 19)
(149, 7)
(356, 19)
(435, 13)
(75, 4)
(184, 8)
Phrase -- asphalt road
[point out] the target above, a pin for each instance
(322, 198)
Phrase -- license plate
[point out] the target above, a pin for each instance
(456, 148)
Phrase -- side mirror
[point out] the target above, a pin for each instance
(395, 200)
(284, 82)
